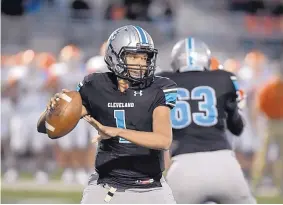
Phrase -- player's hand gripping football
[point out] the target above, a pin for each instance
(104, 132)
(53, 102)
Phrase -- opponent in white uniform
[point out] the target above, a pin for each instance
(74, 145)
(29, 81)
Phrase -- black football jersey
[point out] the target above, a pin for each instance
(199, 117)
(120, 162)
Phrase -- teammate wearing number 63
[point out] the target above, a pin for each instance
(204, 167)
(130, 108)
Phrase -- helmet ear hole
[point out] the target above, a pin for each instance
(150, 55)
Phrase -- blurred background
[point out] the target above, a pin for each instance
(48, 45)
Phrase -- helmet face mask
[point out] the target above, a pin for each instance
(126, 41)
(137, 72)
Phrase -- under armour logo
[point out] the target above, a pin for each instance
(138, 93)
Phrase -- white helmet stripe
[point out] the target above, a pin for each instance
(190, 49)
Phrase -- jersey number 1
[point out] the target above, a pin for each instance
(119, 116)
(181, 115)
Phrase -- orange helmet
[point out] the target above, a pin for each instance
(255, 59)
(270, 98)
(69, 52)
(231, 65)
(27, 56)
(45, 60)
(214, 64)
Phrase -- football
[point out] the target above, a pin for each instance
(65, 116)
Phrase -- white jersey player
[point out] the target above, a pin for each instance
(24, 136)
(250, 80)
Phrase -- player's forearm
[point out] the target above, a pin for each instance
(147, 139)
(41, 123)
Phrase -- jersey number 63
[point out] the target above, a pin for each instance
(181, 115)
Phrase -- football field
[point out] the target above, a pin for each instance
(26, 192)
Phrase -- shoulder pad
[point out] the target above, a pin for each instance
(165, 74)
(163, 82)
(89, 78)
(223, 72)
(86, 81)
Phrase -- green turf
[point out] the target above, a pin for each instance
(38, 196)
(56, 175)
(270, 200)
(75, 197)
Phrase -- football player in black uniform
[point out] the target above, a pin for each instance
(130, 108)
(204, 166)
